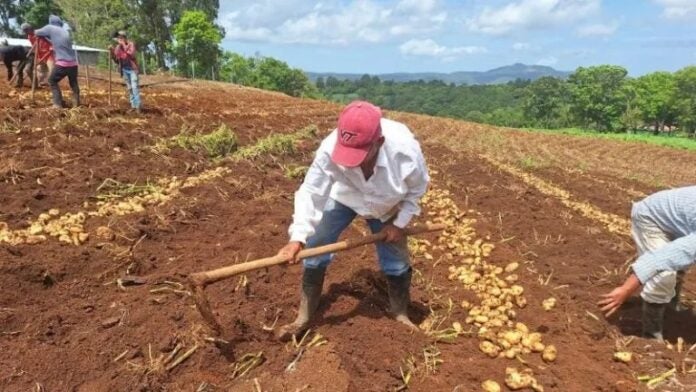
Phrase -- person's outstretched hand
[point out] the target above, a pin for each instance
(612, 301)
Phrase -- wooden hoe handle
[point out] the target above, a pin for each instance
(207, 277)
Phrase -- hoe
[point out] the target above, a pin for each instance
(201, 279)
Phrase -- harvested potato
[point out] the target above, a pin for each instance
(516, 290)
(549, 354)
(522, 328)
(521, 301)
(489, 348)
(517, 380)
(537, 347)
(490, 386)
(549, 304)
(512, 267)
(481, 319)
(512, 337)
(512, 352)
(531, 341)
(512, 278)
(105, 234)
(623, 356)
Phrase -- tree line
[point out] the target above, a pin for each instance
(181, 36)
(602, 98)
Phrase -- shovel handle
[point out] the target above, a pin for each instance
(207, 277)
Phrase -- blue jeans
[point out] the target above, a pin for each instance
(131, 79)
(393, 258)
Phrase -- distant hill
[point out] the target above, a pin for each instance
(494, 76)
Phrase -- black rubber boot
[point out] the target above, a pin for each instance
(653, 320)
(312, 284)
(57, 98)
(400, 297)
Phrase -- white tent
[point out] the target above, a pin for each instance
(86, 55)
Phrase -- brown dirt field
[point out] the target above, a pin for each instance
(66, 325)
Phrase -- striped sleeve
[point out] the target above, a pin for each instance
(675, 256)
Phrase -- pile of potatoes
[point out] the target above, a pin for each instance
(166, 190)
(498, 294)
(68, 228)
(206, 176)
(17, 237)
(130, 205)
(512, 342)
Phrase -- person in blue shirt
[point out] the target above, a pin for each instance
(664, 229)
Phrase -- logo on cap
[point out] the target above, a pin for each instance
(347, 136)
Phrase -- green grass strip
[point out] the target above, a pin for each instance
(672, 141)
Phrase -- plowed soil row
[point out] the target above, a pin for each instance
(67, 325)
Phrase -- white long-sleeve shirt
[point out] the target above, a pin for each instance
(399, 180)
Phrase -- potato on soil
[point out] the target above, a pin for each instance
(549, 354)
(489, 348)
(517, 380)
(549, 303)
(512, 267)
(490, 386)
(623, 356)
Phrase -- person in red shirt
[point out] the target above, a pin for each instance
(123, 54)
(45, 57)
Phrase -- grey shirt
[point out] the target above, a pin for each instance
(62, 43)
(674, 212)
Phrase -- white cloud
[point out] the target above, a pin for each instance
(521, 46)
(598, 29)
(331, 21)
(579, 53)
(532, 14)
(548, 61)
(678, 9)
(417, 5)
(430, 48)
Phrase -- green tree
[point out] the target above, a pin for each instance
(37, 12)
(685, 98)
(266, 73)
(475, 116)
(11, 10)
(655, 95)
(545, 101)
(631, 118)
(237, 69)
(153, 21)
(332, 82)
(196, 44)
(273, 74)
(94, 21)
(597, 95)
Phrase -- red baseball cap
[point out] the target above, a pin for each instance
(358, 128)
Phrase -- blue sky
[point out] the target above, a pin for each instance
(380, 36)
